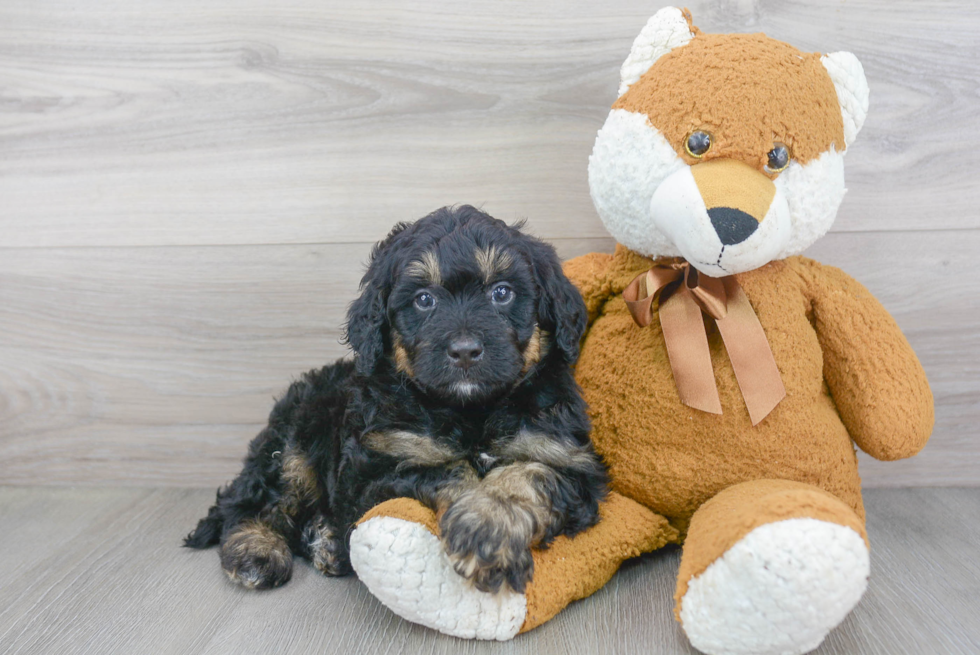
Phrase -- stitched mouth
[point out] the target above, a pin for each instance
(721, 253)
(717, 262)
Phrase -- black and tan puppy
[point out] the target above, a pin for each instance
(460, 395)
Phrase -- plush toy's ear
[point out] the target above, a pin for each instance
(852, 91)
(367, 317)
(669, 28)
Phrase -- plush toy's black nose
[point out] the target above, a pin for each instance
(464, 351)
(732, 225)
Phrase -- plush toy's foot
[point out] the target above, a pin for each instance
(396, 552)
(770, 567)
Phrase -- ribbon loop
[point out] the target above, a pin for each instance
(684, 295)
(708, 293)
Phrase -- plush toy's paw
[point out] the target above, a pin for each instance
(396, 553)
(780, 589)
(489, 544)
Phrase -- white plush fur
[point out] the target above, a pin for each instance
(629, 161)
(406, 568)
(778, 591)
(666, 30)
(852, 91)
(814, 193)
(632, 162)
(679, 212)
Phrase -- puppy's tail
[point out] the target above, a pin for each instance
(208, 530)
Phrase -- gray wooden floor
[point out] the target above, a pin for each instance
(100, 571)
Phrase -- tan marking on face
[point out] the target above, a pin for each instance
(536, 349)
(492, 261)
(403, 361)
(413, 449)
(425, 268)
(300, 485)
(544, 449)
(731, 183)
(747, 91)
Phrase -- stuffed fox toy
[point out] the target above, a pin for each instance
(728, 378)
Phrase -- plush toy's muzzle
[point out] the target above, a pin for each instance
(769, 126)
(723, 216)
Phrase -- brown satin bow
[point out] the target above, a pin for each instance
(684, 294)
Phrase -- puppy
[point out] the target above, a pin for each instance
(459, 395)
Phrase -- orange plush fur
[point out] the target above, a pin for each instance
(850, 376)
(672, 458)
(707, 480)
(745, 90)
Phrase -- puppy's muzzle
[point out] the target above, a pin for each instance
(465, 351)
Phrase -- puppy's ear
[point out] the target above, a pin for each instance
(365, 327)
(561, 309)
(367, 316)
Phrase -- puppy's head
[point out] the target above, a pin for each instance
(464, 306)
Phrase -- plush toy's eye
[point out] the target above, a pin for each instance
(698, 143)
(425, 300)
(778, 158)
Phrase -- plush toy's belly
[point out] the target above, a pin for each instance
(673, 458)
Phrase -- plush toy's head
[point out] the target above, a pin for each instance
(725, 149)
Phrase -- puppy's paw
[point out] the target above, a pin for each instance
(256, 557)
(325, 550)
(489, 542)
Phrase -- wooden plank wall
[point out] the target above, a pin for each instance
(189, 189)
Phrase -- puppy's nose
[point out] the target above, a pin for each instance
(464, 351)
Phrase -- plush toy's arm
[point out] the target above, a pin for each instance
(589, 274)
(877, 381)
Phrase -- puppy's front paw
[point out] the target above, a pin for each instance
(324, 548)
(488, 542)
(256, 557)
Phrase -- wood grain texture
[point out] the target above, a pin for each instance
(188, 191)
(100, 571)
(181, 122)
(157, 365)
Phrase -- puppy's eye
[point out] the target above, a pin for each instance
(425, 301)
(698, 143)
(502, 294)
(778, 158)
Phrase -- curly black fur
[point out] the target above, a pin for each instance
(493, 432)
